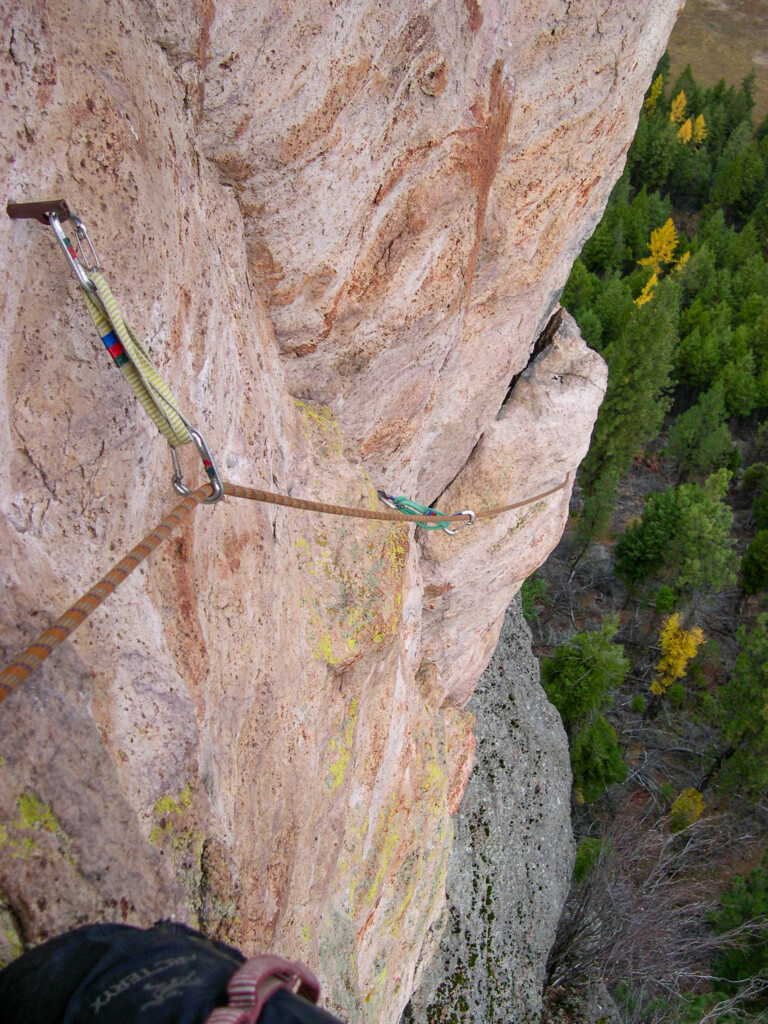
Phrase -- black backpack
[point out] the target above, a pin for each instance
(116, 974)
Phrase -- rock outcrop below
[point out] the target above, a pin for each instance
(340, 227)
(512, 854)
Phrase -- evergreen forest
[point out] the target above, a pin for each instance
(651, 617)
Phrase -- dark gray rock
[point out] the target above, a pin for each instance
(512, 855)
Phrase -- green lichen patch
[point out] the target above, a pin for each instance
(352, 588)
(351, 572)
(320, 429)
(175, 833)
(169, 812)
(337, 961)
(11, 942)
(31, 818)
(33, 813)
(199, 863)
(341, 748)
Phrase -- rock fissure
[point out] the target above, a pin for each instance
(544, 339)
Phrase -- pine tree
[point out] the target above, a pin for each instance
(754, 565)
(741, 767)
(596, 760)
(740, 176)
(684, 536)
(642, 548)
(755, 483)
(632, 412)
(745, 902)
(578, 679)
(703, 551)
(700, 441)
(653, 154)
(581, 673)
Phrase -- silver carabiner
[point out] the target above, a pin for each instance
(82, 235)
(459, 526)
(72, 255)
(209, 464)
(386, 500)
(52, 212)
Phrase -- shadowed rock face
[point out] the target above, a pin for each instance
(340, 227)
(512, 854)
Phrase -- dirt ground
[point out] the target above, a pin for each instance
(724, 39)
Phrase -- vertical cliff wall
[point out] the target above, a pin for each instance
(512, 854)
(340, 227)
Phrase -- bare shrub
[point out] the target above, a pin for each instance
(639, 917)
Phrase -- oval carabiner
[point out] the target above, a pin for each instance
(209, 465)
(73, 258)
(459, 526)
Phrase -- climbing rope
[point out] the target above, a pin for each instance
(456, 518)
(66, 624)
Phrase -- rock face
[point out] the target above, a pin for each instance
(512, 850)
(340, 227)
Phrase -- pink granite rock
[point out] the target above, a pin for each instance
(340, 227)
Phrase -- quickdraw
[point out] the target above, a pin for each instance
(413, 508)
(121, 341)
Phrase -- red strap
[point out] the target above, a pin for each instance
(257, 980)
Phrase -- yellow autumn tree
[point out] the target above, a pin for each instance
(686, 810)
(647, 293)
(653, 96)
(685, 132)
(699, 129)
(677, 109)
(662, 245)
(678, 646)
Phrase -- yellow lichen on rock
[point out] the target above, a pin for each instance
(176, 833)
(341, 748)
(33, 816)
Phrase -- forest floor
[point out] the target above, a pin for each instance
(668, 746)
(724, 39)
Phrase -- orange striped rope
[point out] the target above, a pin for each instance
(66, 624)
(236, 491)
